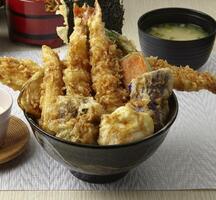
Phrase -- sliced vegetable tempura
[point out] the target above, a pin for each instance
(16, 72)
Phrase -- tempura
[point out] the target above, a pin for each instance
(77, 74)
(185, 78)
(52, 85)
(106, 70)
(16, 72)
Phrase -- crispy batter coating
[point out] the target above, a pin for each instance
(125, 125)
(63, 115)
(106, 70)
(29, 98)
(150, 93)
(52, 85)
(77, 74)
(85, 127)
(76, 116)
(84, 124)
(185, 78)
(15, 72)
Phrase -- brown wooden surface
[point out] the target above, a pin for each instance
(15, 141)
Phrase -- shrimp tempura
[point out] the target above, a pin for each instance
(76, 75)
(106, 70)
(52, 85)
(185, 78)
(77, 115)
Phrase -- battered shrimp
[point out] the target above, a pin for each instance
(106, 70)
(52, 85)
(77, 74)
(58, 111)
(76, 116)
(185, 78)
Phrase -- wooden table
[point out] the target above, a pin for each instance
(133, 9)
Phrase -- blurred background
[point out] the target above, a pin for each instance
(130, 17)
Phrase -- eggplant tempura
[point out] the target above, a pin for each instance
(94, 96)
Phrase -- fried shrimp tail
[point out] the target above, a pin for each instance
(52, 84)
(185, 78)
(106, 70)
(77, 74)
(16, 72)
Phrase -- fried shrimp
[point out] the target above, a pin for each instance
(82, 126)
(106, 70)
(52, 85)
(58, 111)
(77, 74)
(16, 72)
(82, 99)
(185, 78)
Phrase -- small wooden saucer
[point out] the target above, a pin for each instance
(16, 139)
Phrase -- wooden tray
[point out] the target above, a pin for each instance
(15, 141)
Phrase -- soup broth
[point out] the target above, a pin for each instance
(176, 31)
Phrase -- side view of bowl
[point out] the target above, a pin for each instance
(101, 164)
(192, 52)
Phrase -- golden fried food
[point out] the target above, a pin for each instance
(150, 93)
(86, 129)
(62, 120)
(106, 71)
(29, 98)
(77, 74)
(133, 65)
(77, 81)
(185, 78)
(52, 85)
(74, 117)
(59, 95)
(16, 72)
(125, 125)
(77, 119)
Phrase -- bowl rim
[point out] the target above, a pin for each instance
(93, 146)
(179, 9)
(10, 102)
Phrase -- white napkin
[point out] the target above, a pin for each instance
(185, 160)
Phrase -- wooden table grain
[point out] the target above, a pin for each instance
(133, 9)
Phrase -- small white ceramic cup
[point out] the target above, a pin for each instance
(6, 102)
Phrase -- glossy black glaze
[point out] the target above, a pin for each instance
(100, 164)
(194, 53)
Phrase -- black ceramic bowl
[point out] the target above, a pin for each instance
(101, 164)
(194, 52)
